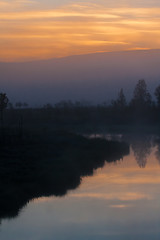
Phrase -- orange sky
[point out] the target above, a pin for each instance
(73, 29)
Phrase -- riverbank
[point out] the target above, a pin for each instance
(50, 165)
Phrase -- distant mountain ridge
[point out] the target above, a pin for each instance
(94, 77)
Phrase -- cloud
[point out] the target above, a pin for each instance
(74, 29)
(120, 206)
(127, 196)
(16, 5)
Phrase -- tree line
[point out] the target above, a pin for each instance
(141, 98)
(141, 109)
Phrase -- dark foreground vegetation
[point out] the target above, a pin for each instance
(51, 165)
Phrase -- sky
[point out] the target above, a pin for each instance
(35, 30)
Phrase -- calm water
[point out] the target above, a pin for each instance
(121, 201)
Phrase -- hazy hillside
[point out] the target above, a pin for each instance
(95, 77)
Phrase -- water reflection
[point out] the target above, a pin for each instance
(141, 145)
(142, 149)
(158, 150)
(119, 202)
(52, 169)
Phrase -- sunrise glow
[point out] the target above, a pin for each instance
(31, 33)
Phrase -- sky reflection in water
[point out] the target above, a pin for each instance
(121, 201)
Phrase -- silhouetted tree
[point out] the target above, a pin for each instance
(48, 106)
(64, 104)
(3, 105)
(157, 94)
(25, 104)
(120, 102)
(10, 105)
(18, 104)
(141, 96)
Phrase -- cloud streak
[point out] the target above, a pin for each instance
(127, 196)
(75, 29)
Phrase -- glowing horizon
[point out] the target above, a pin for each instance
(31, 33)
